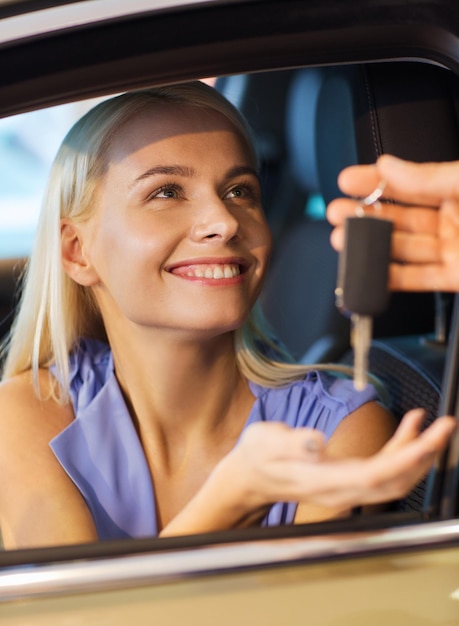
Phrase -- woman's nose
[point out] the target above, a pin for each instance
(215, 221)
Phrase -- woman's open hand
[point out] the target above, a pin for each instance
(273, 462)
(282, 464)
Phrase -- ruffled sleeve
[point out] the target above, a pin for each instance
(101, 452)
(319, 401)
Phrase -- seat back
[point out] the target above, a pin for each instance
(298, 298)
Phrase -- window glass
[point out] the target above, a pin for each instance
(28, 144)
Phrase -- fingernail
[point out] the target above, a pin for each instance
(312, 445)
(390, 158)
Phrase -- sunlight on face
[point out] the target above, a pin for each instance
(181, 241)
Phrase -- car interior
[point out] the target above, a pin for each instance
(308, 124)
(335, 117)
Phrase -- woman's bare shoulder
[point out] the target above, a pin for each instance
(23, 413)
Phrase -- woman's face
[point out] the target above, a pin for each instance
(178, 240)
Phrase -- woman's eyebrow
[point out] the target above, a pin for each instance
(168, 170)
(188, 172)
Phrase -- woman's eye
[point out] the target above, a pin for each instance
(237, 193)
(242, 191)
(169, 191)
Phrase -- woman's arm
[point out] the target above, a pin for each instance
(275, 463)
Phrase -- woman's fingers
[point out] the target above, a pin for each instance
(386, 476)
(392, 475)
(389, 474)
(276, 442)
(407, 437)
(408, 430)
(283, 463)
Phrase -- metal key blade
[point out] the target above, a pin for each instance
(361, 334)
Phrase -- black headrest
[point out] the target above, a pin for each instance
(403, 108)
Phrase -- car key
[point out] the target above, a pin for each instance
(362, 289)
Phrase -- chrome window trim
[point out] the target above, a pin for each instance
(50, 579)
(68, 16)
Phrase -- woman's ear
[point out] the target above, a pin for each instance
(74, 259)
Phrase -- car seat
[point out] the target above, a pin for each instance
(409, 110)
(298, 298)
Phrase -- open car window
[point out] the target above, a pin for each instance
(298, 131)
(28, 145)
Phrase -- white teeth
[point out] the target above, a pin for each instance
(214, 271)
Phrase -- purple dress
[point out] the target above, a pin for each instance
(101, 452)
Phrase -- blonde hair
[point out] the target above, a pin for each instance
(54, 311)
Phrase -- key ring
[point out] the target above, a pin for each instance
(371, 200)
